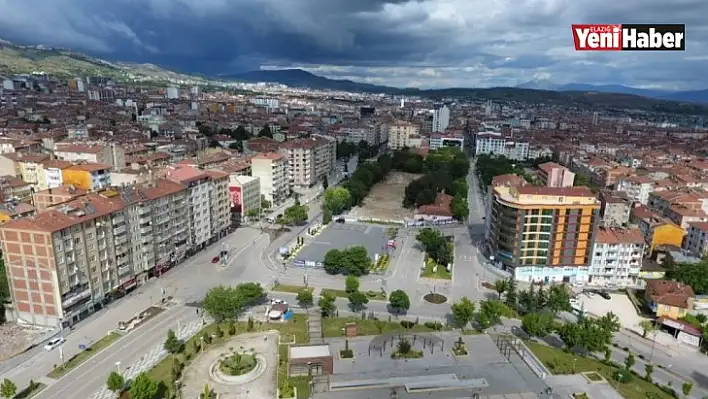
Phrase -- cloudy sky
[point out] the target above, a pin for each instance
(416, 43)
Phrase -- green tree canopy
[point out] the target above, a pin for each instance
(436, 245)
(223, 302)
(172, 343)
(399, 301)
(296, 214)
(538, 324)
(354, 261)
(491, 311)
(327, 304)
(143, 387)
(351, 284)
(357, 300)
(115, 382)
(304, 298)
(265, 132)
(8, 389)
(337, 199)
(463, 312)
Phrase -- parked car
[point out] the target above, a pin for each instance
(215, 259)
(54, 343)
(590, 294)
(604, 294)
(276, 301)
(340, 220)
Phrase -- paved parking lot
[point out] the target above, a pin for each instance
(341, 236)
(618, 304)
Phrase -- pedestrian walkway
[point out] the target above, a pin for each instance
(314, 325)
(150, 359)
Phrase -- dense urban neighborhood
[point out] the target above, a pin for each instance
(182, 239)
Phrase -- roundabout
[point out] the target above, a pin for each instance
(238, 368)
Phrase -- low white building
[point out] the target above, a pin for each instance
(616, 258)
(636, 187)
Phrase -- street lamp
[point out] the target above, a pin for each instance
(118, 367)
(619, 377)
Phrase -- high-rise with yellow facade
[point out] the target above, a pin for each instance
(543, 234)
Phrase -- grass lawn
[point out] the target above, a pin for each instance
(84, 355)
(430, 272)
(372, 295)
(301, 383)
(162, 372)
(560, 362)
(332, 327)
(294, 289)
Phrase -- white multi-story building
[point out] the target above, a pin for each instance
(441, 118)
(53, 177)
(494, 143)
(270, 169)
(403, 134)
(637, 188)
(616, 257)
(198, 201)
(309, 160)
(440, 140)
(268, 102)
(696, 241)
(172, 93)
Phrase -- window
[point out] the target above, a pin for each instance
(89, 235)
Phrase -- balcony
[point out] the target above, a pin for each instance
(118, 219)
(119, 230)
(75, 297)
(121, 239)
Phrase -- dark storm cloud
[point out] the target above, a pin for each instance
(403, 42)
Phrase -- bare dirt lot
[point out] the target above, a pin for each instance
(386, 198)
(15, 339)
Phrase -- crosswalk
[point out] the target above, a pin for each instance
(154, 356)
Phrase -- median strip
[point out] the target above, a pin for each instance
(84, 355)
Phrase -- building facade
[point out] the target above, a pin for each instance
(543, 234)
(616, 257)
(552, 174)
(270, 169)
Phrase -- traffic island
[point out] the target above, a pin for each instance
(81, 357)
(435, 298)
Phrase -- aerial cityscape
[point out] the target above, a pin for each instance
(295, 223)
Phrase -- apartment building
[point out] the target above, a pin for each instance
(219, 203)
(309, 160)
(616, 257)
(552, 174)
(442, 140)
(441, 118)
(403, 134)
(61, 265)
(494, 143)
(656, 230)
(13, 188)
(615, 208)
(543, 234)
(27, 167)
(245, 194)
(14, 210)
(88, 176)
(106, 153)
(637, 188)
(53, 176)
(270, 169)
(696, 241)
(207, 200)
(50, 197)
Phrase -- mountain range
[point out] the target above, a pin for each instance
(698, 96)
(18, 59)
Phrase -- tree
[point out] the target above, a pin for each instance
(304, 298)
(537, 324)
(463, 312)
(325, 182)
(351, 284)
(296, 214)
(172, 343)
(327, 304)
(609, 322)
(687, 387)
(491, 311)
(399, 301)
(459, 207)
(570, 334)
(647, 327)
(337, 200)
(326, 216)
(265, 132)
(629, 361)
(694, 275)
(115, 382)
(143, 387)
(223, 303)
(250, 293)
(357, 300)
(436, 245)
(500, 287)
(558, 299)
(511, 295)
(334, 261)
(238, 146)
(265, 204)
(252, 213)
(8, 389)
(648, 369)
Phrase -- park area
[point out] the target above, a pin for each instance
(385, 201)
(342, 236)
